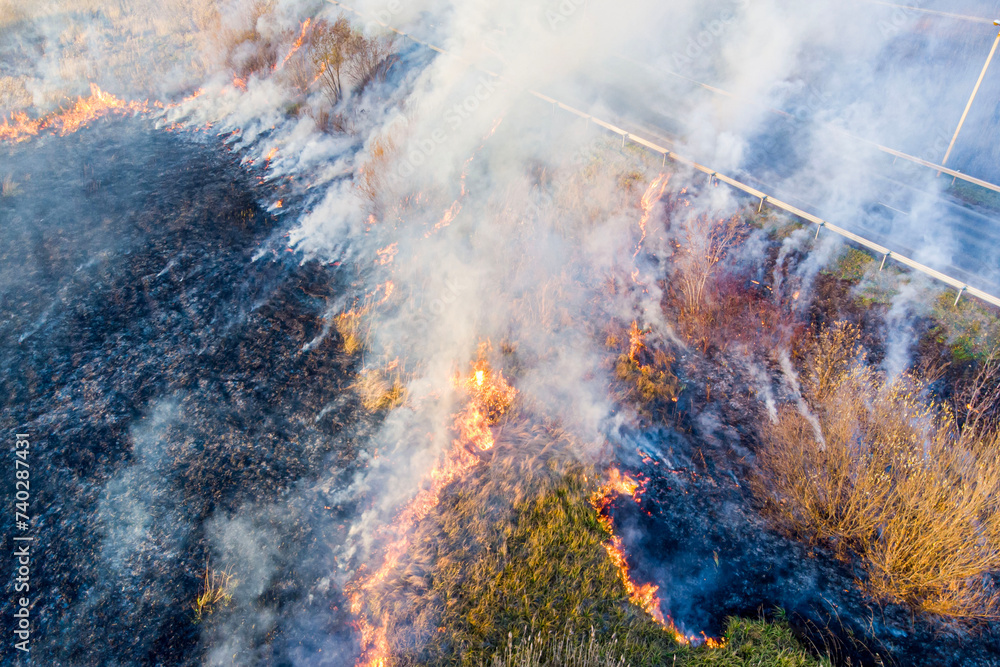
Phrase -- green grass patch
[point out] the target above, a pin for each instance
(749, 643)
(852, 265)
(756, 643)
(975, 195)
(971, 329)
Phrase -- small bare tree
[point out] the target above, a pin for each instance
(332, 45)
(703, 244)
(345, 56)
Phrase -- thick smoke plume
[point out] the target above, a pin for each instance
(469, 220)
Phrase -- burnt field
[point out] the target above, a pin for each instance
(161, 374)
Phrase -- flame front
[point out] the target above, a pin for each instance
(652, 195)
(489, 398)
(85, 110)
(642, 595)
(297, 45)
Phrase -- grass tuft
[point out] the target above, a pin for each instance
(216, 589)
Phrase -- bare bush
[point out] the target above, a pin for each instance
(370, 59)
(896, 481)
(700, 247)
(331, 46)
(244, 49)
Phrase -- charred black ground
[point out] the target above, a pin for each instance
(136, 313)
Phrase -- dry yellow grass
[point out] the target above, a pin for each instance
(378, 392)
(349, 326)
(216, 589)
(646, 372)
(371, 180)
(894, 480)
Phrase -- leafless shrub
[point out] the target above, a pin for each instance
(976, 403)
(244, 50)
(371, 59)
(701, 245)
(331, 47)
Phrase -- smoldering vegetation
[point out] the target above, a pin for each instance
(371, 429)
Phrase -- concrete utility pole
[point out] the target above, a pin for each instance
(974, 91)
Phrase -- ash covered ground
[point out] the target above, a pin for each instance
(161, 373)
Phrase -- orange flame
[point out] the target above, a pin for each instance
(270, 155)
(449, 215)
(387, 254)
(84, 110)
(297, 45)
(642, 595)
(489, 397)
(652, 195)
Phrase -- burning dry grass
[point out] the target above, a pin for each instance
(351, 327)
(378, 392)
(646, 373)
(508, 560)
(22, 127)
(889, 477)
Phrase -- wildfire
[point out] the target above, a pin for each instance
(270, 155)
(449, 215)
(297, 45)
(387, 254)
(86, 109)
(642, 595)
(636, 342)
(652, 195)
(489, 398)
